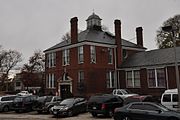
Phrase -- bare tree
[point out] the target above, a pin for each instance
(164, 39)
(36, 63)
(8, 60)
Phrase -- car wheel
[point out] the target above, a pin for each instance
(94, 114)
(111, 113)
(70, 113)
(125, 118)
(5, 109)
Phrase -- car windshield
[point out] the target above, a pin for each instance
(125, 91)
(18, 99)
(67, 102)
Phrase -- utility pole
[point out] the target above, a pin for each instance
(173, 36)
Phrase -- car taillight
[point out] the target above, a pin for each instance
(103, 106)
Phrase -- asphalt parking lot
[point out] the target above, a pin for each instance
(34, 116)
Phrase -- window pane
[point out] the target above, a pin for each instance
(93, 54)
(175, 98)
(160, 77)
(80, 54)
(110, 55)
(167, 98)
(151, 78)
(129, 79)
(136, 78)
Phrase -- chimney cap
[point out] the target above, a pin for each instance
(117, 21)
(74, 19)
(139, 28)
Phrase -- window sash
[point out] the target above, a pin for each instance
(50, 81)
(81, 76)
(133, 79)
(110, 55)
(111, 81)
(156, 78)
(80, 54)
(65, 57)
(93, 54)
(51, 60)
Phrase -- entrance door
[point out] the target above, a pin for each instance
(65, 91)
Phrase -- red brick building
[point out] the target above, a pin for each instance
(95, 61)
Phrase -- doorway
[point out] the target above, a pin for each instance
(65, 91)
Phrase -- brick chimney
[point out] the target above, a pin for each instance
(74, 30)
(139, 36)
(119, 59)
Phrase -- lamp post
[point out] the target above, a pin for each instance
(173, 36)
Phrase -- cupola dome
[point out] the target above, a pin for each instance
(93, 20)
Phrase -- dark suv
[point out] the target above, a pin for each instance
(44, 103)
(24, 103)
(103, 104)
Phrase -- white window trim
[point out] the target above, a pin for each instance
(133, 79)
(156, 81)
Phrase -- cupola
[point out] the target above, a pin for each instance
(93, 21)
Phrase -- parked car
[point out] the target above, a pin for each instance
(24, 103)
(170, 99)
(70, 107)
(123, 93)
(103, 104)
(6, 102)
(140, 98)
(44, 103)
(145, 111)
(24, 93)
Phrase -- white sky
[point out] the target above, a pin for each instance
(29, 25)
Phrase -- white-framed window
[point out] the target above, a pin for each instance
(133, 79)
(50, 81)
(93, 54)
(110, 55)
(156, 78)
(65, 57)
(80, 76)
(110, 79)
(80, 54)
(51, 60)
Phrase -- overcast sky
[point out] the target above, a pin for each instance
(29, 25)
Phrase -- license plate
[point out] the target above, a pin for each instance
(94, 108)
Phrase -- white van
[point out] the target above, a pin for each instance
(170, 99)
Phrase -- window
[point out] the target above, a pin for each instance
(167, 98)
(65, 57)
(81, 76)
(50, 80)
(110, 55)
(51, 60)
(133, 78)
(93, 54)
(111, 82)
(156, 78)
(80, 54)
(175, 97)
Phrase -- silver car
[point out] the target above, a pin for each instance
(6, 102)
